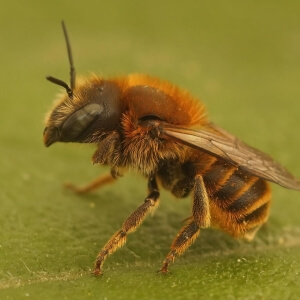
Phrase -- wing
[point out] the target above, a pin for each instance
(220, 143)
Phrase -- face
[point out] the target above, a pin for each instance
(93, 108)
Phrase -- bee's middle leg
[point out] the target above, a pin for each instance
(130, 225)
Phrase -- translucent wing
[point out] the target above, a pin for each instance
(220, 143)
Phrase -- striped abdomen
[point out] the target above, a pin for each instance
(239, 202)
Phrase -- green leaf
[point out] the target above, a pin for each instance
(241, 58)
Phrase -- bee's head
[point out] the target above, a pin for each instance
(86, 111)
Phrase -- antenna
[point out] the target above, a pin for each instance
(72, 69)
(61, 83)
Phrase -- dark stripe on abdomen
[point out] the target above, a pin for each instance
(232, 186)
(216, 175)
(256, 215)
(250, 196)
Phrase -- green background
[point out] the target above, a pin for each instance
(242, 58)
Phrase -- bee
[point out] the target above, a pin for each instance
(145, 124)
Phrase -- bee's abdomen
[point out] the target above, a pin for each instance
(239, 201)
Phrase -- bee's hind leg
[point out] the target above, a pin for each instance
(200, 219)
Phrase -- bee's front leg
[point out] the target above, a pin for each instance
(92, 186)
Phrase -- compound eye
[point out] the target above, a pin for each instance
(74, 127)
